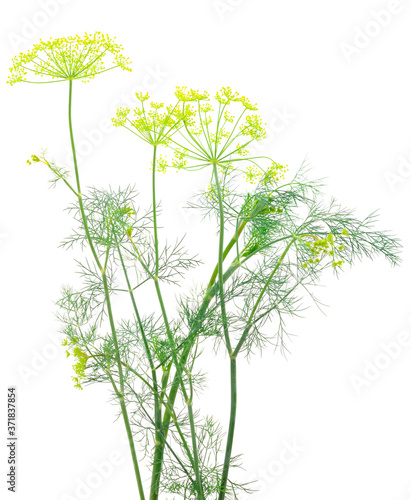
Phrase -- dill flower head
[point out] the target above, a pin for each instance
(199, 133)
(81, 364)
(68, 58)
(154, 122)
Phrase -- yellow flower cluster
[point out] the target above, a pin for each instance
(81, 364)
(274, 173)
(218, 137)
(157, 105)
(324, 247)
(121, 117)
(226, 96)
(68, 58)
(33, 159)
(189, 95)
(240, 150)
(247, 104)
(142, 97)
(129, 211)
(206, 108)
(161, 164)
(226, 167)
(185, 126)
(152, 120)
(185, 113)
(151, 125)
(228, 117)
(253, 174)
(253, 127)
(179, 161)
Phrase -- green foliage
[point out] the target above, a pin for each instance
(283, 238)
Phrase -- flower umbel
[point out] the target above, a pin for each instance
(202, 136)
(322, 247)
(68, 58)
(81, 364)
(156, 123)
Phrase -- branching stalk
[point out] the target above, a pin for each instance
(108, 302)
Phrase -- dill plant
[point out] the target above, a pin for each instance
(283, 237)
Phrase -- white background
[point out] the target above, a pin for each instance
(328, 92)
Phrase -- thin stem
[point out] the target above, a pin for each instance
(171, 340)
(43, 160)
(254, 310)
(221, 259)
(167, 444)
(129, 435)
(213, 289)
(233, 368)
(231, 426)
(227, 249)
(234, 240)
(233, 378)
(108, 301)
(159, 444)
(188, 342)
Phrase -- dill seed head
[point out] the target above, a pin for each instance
(68, 58)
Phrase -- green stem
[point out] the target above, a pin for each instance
(166, 443)
(173, 415)
(231, 426)
(261, 205)
(221, 259)
(233, 378)
(233, 367)
(129, 434)
(210, 292)
(187, 344)
(109, 310)
(171, 340)
(159, 443)
(230, 245)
